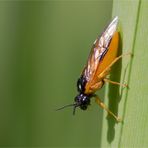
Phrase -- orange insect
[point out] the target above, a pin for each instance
(102, 57)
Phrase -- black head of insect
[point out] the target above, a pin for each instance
(82, 100)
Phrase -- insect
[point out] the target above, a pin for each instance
(102, 57)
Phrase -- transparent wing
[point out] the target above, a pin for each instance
(99, 50)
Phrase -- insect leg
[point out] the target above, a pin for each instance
(116, 83)
(116, 59)
(102, 105)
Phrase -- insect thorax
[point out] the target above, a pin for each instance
(81, 83)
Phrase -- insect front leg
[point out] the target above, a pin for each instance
(102, 105)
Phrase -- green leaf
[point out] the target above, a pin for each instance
(130, 104)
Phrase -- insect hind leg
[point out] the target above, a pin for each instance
(108, 68)
(117, 59)
(115, 83)
(102, 105)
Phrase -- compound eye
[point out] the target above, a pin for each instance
(78, 98)
(86, 100)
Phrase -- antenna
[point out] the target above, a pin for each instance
(65, 106)
(69, 105)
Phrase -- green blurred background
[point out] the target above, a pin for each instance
(43, 49)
